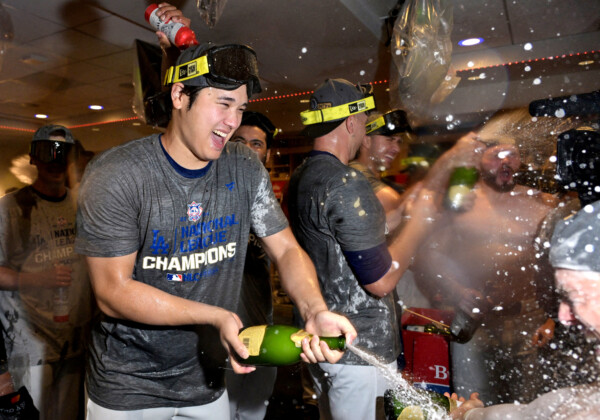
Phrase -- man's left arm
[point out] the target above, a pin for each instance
(299, 280)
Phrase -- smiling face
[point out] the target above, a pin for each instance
(254, 138)
(383, 150)
(203, 129)
(583, 298)
(498, 166)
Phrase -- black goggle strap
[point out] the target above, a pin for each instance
(196, 67)
(337, 112)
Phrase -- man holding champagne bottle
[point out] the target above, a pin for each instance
(165, 244)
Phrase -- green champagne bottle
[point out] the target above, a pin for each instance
(461, 184)
(278, 345)
(395, 409)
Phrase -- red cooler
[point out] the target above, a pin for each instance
(426, 354)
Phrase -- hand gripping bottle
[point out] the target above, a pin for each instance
(180, 35)
(461, 184)
(278, 345)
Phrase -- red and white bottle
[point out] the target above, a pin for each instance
(180, 35)
(61, 304)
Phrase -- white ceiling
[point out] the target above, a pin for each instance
(68, 54)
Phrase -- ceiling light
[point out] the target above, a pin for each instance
(41, 116)
(469, 42)
(96, 107)
(304, 101)
(586, 62)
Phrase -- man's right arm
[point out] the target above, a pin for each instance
(421, 211)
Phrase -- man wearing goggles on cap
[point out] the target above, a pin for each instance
(386, 134)
(165, 243)
(37, 261)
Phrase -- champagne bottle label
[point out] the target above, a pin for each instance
(252, 337)
(298, 336)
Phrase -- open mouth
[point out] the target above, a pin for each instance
(219, 138)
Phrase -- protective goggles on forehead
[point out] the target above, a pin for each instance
(337, 112)
(390, 123)
(228, 65)
(51, 151)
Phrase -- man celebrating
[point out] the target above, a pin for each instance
(46, 295)
(482, 261)
(164, 223)
(338, 220)
(385, 136)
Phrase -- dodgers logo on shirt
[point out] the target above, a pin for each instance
(194, 211)
(174, 277)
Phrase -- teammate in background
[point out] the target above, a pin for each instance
(165, 244)
(46, 349)
(249, 393)
(482, 261)
(386, 134)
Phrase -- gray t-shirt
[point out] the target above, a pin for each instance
(190, 234)
(334, 213)
(35, 235)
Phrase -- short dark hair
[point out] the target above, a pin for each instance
(260, 121)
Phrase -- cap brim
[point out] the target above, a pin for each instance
(318, 130)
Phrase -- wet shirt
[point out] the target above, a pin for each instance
(333, 212)
(375, 182)
(190, 234)
(35, 235)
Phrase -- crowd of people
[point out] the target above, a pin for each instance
(137, 285)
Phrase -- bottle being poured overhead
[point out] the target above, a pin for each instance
(460, 187)
(279, 345)
(180, 35)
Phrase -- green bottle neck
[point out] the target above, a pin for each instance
(335, 343)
